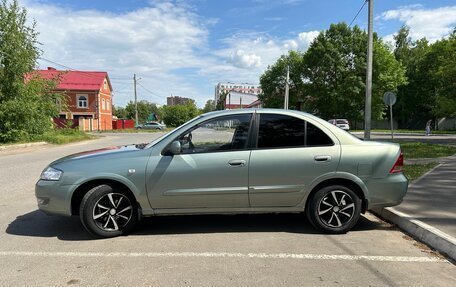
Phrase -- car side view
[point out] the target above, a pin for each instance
(228, 162)
(151, 126)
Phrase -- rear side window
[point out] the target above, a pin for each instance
(281, 131)
(316, 137)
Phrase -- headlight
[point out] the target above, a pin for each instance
(51, 174)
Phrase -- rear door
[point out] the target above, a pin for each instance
(290, 154)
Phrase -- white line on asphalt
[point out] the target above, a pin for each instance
(226, 255)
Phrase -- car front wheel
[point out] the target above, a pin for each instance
(106, 212)
(334, 209)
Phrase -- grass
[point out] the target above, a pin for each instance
(414, 171)
(411, 131)
(64, 136)
(425, 150)
(56, 136)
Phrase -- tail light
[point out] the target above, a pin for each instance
(397, 167)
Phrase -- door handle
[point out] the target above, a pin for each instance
(322, 158)
(236, 162)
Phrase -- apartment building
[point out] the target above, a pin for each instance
(244, 88)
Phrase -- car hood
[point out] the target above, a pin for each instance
(115, 150)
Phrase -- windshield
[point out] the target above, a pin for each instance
(342, 122)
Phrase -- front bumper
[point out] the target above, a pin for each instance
(389, 191)
(54, 198)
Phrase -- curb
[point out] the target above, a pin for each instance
(16, 146)
(432, 236)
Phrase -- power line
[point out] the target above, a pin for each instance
(146, 89)
(83, 73)
(359, 11)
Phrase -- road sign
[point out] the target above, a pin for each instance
(389, 98)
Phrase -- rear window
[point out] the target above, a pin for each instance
(342, 122)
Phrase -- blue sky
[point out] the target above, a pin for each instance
(184, 48)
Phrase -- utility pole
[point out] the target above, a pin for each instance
(136, 101)
(368, 103)
(285, 104)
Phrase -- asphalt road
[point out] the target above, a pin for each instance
(246, 250)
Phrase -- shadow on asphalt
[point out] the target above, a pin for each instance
(38, 224)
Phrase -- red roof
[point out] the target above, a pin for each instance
(76, 80)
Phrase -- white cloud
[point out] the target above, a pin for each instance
(165, 44)
(247, 55)
(152, 42)
(430, 23)
(242, 59)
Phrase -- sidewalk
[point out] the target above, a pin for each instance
(429, 209)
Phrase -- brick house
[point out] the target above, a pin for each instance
(88, 97)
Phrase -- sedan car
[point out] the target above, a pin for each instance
(227, 162)
(340, 123)
(151, 126)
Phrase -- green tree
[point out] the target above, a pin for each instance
(329, 78)
(175, 116)
(26, 101)
(335, 71)
(220, 105)
(273, 82)
(209, 106)
(415, 100)
(145, 109)
(119, 112)
(440, 67)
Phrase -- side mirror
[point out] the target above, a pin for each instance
(175, 148)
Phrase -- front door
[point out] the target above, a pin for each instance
(210, 172)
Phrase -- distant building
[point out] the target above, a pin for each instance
(236, 100)
(256, 105)
(244, 88)
(175, 101)
(88, 96)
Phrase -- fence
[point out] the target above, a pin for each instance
(123, 124)
(66, 123)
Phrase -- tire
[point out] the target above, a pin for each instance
(334, 209)
(106, 212)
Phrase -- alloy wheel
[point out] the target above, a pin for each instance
(336, 208)
(112, 212)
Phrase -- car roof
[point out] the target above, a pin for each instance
(342, 135)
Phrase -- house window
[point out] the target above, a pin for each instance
(105, 84)
(82, 101)
(108, 107)
(103, 104)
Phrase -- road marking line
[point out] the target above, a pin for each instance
(227, 255)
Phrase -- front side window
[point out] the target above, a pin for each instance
(82, 102)
(282, 131)
(221, 134)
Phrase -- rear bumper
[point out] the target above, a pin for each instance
(389, 191)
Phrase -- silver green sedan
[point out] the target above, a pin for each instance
(238, 161)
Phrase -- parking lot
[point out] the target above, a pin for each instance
(246, 250)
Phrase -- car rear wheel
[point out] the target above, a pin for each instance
(334, 209)
(106, 212)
